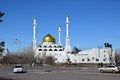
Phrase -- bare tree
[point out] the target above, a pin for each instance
(1, 15)
(117, 56)
(25, 56)
(10, 59)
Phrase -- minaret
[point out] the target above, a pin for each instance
(59, 34)
(67, 46)
(34, 34)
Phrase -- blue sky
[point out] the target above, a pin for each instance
(92, 22)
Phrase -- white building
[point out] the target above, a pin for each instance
(95, 55)
(63, 55)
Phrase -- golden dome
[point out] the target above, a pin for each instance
(49, 38)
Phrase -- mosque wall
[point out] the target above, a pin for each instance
(86, 56)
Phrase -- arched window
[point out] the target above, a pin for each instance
(50, 49)
(55, 49)
(50, 46)
(104, 59)
(59, 46)
(54, 46)
(40, 46)
(88, 59)
(40, 50)
(104, 51)
(83, 59)
(97, 59)
(60, 50)
(45, 46)
(45, 49)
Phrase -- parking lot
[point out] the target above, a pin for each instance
(57, 73)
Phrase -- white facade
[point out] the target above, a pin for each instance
(104, 55)
(50, 49)
(60, 54)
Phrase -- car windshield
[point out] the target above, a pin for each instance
(109, 66)
(18, 66)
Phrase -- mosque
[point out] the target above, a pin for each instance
(65, 54)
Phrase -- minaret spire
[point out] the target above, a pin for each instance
(34, 34)
(67, 46)
(59, 34)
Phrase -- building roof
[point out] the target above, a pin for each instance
(48, 38)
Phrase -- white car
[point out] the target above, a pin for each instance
(110, 68)
(17, 69)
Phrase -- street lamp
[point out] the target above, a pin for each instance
(18, 42)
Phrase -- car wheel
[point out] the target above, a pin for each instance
(101, 70)
(113, 71)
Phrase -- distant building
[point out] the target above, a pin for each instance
(64, 55)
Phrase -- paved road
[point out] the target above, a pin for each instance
(58, 73)
(5, 79)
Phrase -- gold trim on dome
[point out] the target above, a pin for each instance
(49, 38)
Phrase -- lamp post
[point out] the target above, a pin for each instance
(18, 42)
